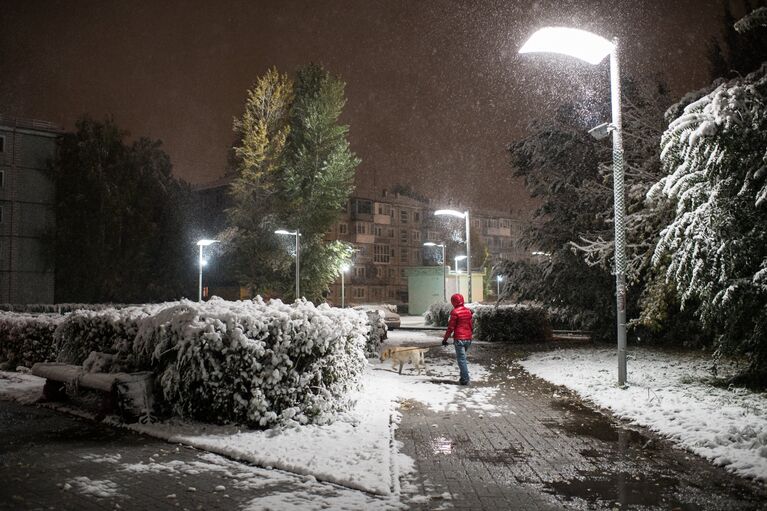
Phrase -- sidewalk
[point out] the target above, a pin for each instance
(543, 449)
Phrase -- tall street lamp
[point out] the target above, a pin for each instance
(464, 215)
(344, 269)
(444, 271)
(593, 49)
(297, 234)
(202, 262)
(498, 279)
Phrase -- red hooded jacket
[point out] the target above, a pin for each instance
(460, 320)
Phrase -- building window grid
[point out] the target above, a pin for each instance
(381, 253)
(415, 236)
(403, 216)
(343, 228)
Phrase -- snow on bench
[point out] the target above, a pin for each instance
(130, 393)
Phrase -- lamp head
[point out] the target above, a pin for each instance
(450, 212)
(345, 268)
(574, 42)
(205, 243)
(283, 231)
(460, 257)
(602, 131)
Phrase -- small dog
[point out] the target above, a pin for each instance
(403, 354)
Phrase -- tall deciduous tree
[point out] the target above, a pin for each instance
(120, 232)
(294, 170)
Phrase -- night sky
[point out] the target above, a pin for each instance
(436, 90)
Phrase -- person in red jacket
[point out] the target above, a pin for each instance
(461, 327)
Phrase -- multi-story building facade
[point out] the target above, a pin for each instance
(389, 232)
(26, 210)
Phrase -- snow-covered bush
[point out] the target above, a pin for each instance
(438, 314)
(256, 363)
(57, 308)
(26, 339)
(714, 250)
(377, 332)
(511, 323)
(107, 331)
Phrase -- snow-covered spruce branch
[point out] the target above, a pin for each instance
(757, 18)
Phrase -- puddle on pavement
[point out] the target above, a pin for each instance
(623, 489)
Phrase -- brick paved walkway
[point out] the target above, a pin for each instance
(545, 450)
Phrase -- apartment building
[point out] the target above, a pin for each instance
(389, 232)
(26, 210)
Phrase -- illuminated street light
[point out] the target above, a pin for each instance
(460, 258)
(344, 269)
(498, 279)
(297, 234)
(464, 215)
(202, 262)
(593, 49)
(444, 271)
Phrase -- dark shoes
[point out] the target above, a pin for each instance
(464, 383)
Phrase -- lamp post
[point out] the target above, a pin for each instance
(444, 271)
(344, 269)
(202, 262)
(297, 234)
(457, 275)
(593, 49)
(464, 215)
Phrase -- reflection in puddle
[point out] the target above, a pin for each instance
(442, 445)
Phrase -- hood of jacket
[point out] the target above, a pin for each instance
(456, 300)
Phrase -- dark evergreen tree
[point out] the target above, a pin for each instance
(120, 231)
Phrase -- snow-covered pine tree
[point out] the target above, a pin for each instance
(715, 248)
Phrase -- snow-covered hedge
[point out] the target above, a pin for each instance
(252, 362)
(255, 363)
(507, 323)
(511, 323)
(106, 330)
(438, 314)
(26, 339)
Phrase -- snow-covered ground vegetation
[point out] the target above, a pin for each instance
(673, 394)
(254, 363)
(26, 339)
(505, 323)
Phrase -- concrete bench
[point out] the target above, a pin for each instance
(130, 395)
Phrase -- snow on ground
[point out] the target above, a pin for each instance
(358, 451)
(20, 387)
(93, 487)
(669, 393)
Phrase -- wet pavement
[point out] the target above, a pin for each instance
(544, 449)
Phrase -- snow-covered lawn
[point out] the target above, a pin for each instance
(669, 393)
(358, 451)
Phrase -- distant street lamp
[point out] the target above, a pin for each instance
(593, 49)
(202, 262)
(464, 215)
(444, 271)
(344, 269)
(459, 258)
(498, 279)
(297, 234)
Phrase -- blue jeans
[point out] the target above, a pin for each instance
(461, 348)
